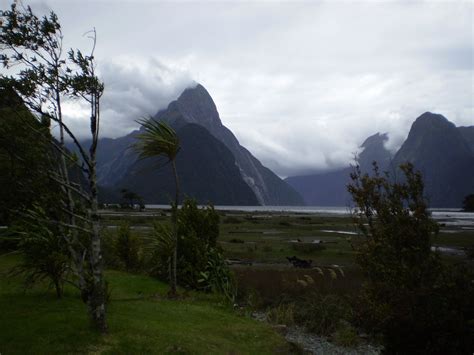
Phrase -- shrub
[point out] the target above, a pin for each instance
(217, 276)
(200, 264)
(109, 253)
(468, 203)
(416, 302)
(198, 230)
(44, 253)
(322, 314)
(127, 247)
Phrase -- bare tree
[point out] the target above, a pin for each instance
(44, 76)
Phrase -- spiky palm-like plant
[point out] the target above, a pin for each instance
(160, 140)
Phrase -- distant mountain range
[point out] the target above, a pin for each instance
(212, 165)
(442, 152)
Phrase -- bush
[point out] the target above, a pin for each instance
(198, 230)
(468, 203)
(44, 252)
(417, 303)
(127, 247)
(322, 314)
(109, 253)
(200, 263)
(217, 276)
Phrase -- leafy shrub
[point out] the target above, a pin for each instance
(159, 251)
(200, 263)
(109, 253)
(44, 252)
(322, 314)
(285, 224)
(198, 230)
(127, 247)
(416, 302)
(217, 276)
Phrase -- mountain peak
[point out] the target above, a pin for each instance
(432, 120)
(374, 150)
(377, 139)
(194, 105)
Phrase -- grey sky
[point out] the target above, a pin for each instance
(301, 84)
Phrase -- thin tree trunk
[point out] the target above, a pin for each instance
(175, 233)
(58, 286)
(97, 297)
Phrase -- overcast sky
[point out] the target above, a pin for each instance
(301, 84)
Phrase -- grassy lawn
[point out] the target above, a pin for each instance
(141, 320)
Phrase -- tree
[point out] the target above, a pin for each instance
(43, 77)
(22, 164)
(468, 203)
(416, 302)
(160, 140)
(132, 198)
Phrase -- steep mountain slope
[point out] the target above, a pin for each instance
(195, 105)
(468, 135)
(330, 188)
(206, 169)
(438, 149)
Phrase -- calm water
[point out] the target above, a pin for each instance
(450, 216)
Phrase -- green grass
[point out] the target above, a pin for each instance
(141, 320)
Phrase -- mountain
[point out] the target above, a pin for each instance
(330, 188)
(373, 149)
(118, 165)
(206, 169)
(468, 135)
(195, 105)
(439, 150)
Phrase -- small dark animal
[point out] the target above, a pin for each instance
(300, 263)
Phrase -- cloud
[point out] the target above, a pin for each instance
(134, 88)
(301, 84)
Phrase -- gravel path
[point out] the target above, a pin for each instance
(314, 344)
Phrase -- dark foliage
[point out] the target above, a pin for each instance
(468, 203)
(43, 250)
(127, 247)
(198, 230)
(418, 304)
(24, 178)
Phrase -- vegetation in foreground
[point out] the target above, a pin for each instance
(141, 320)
